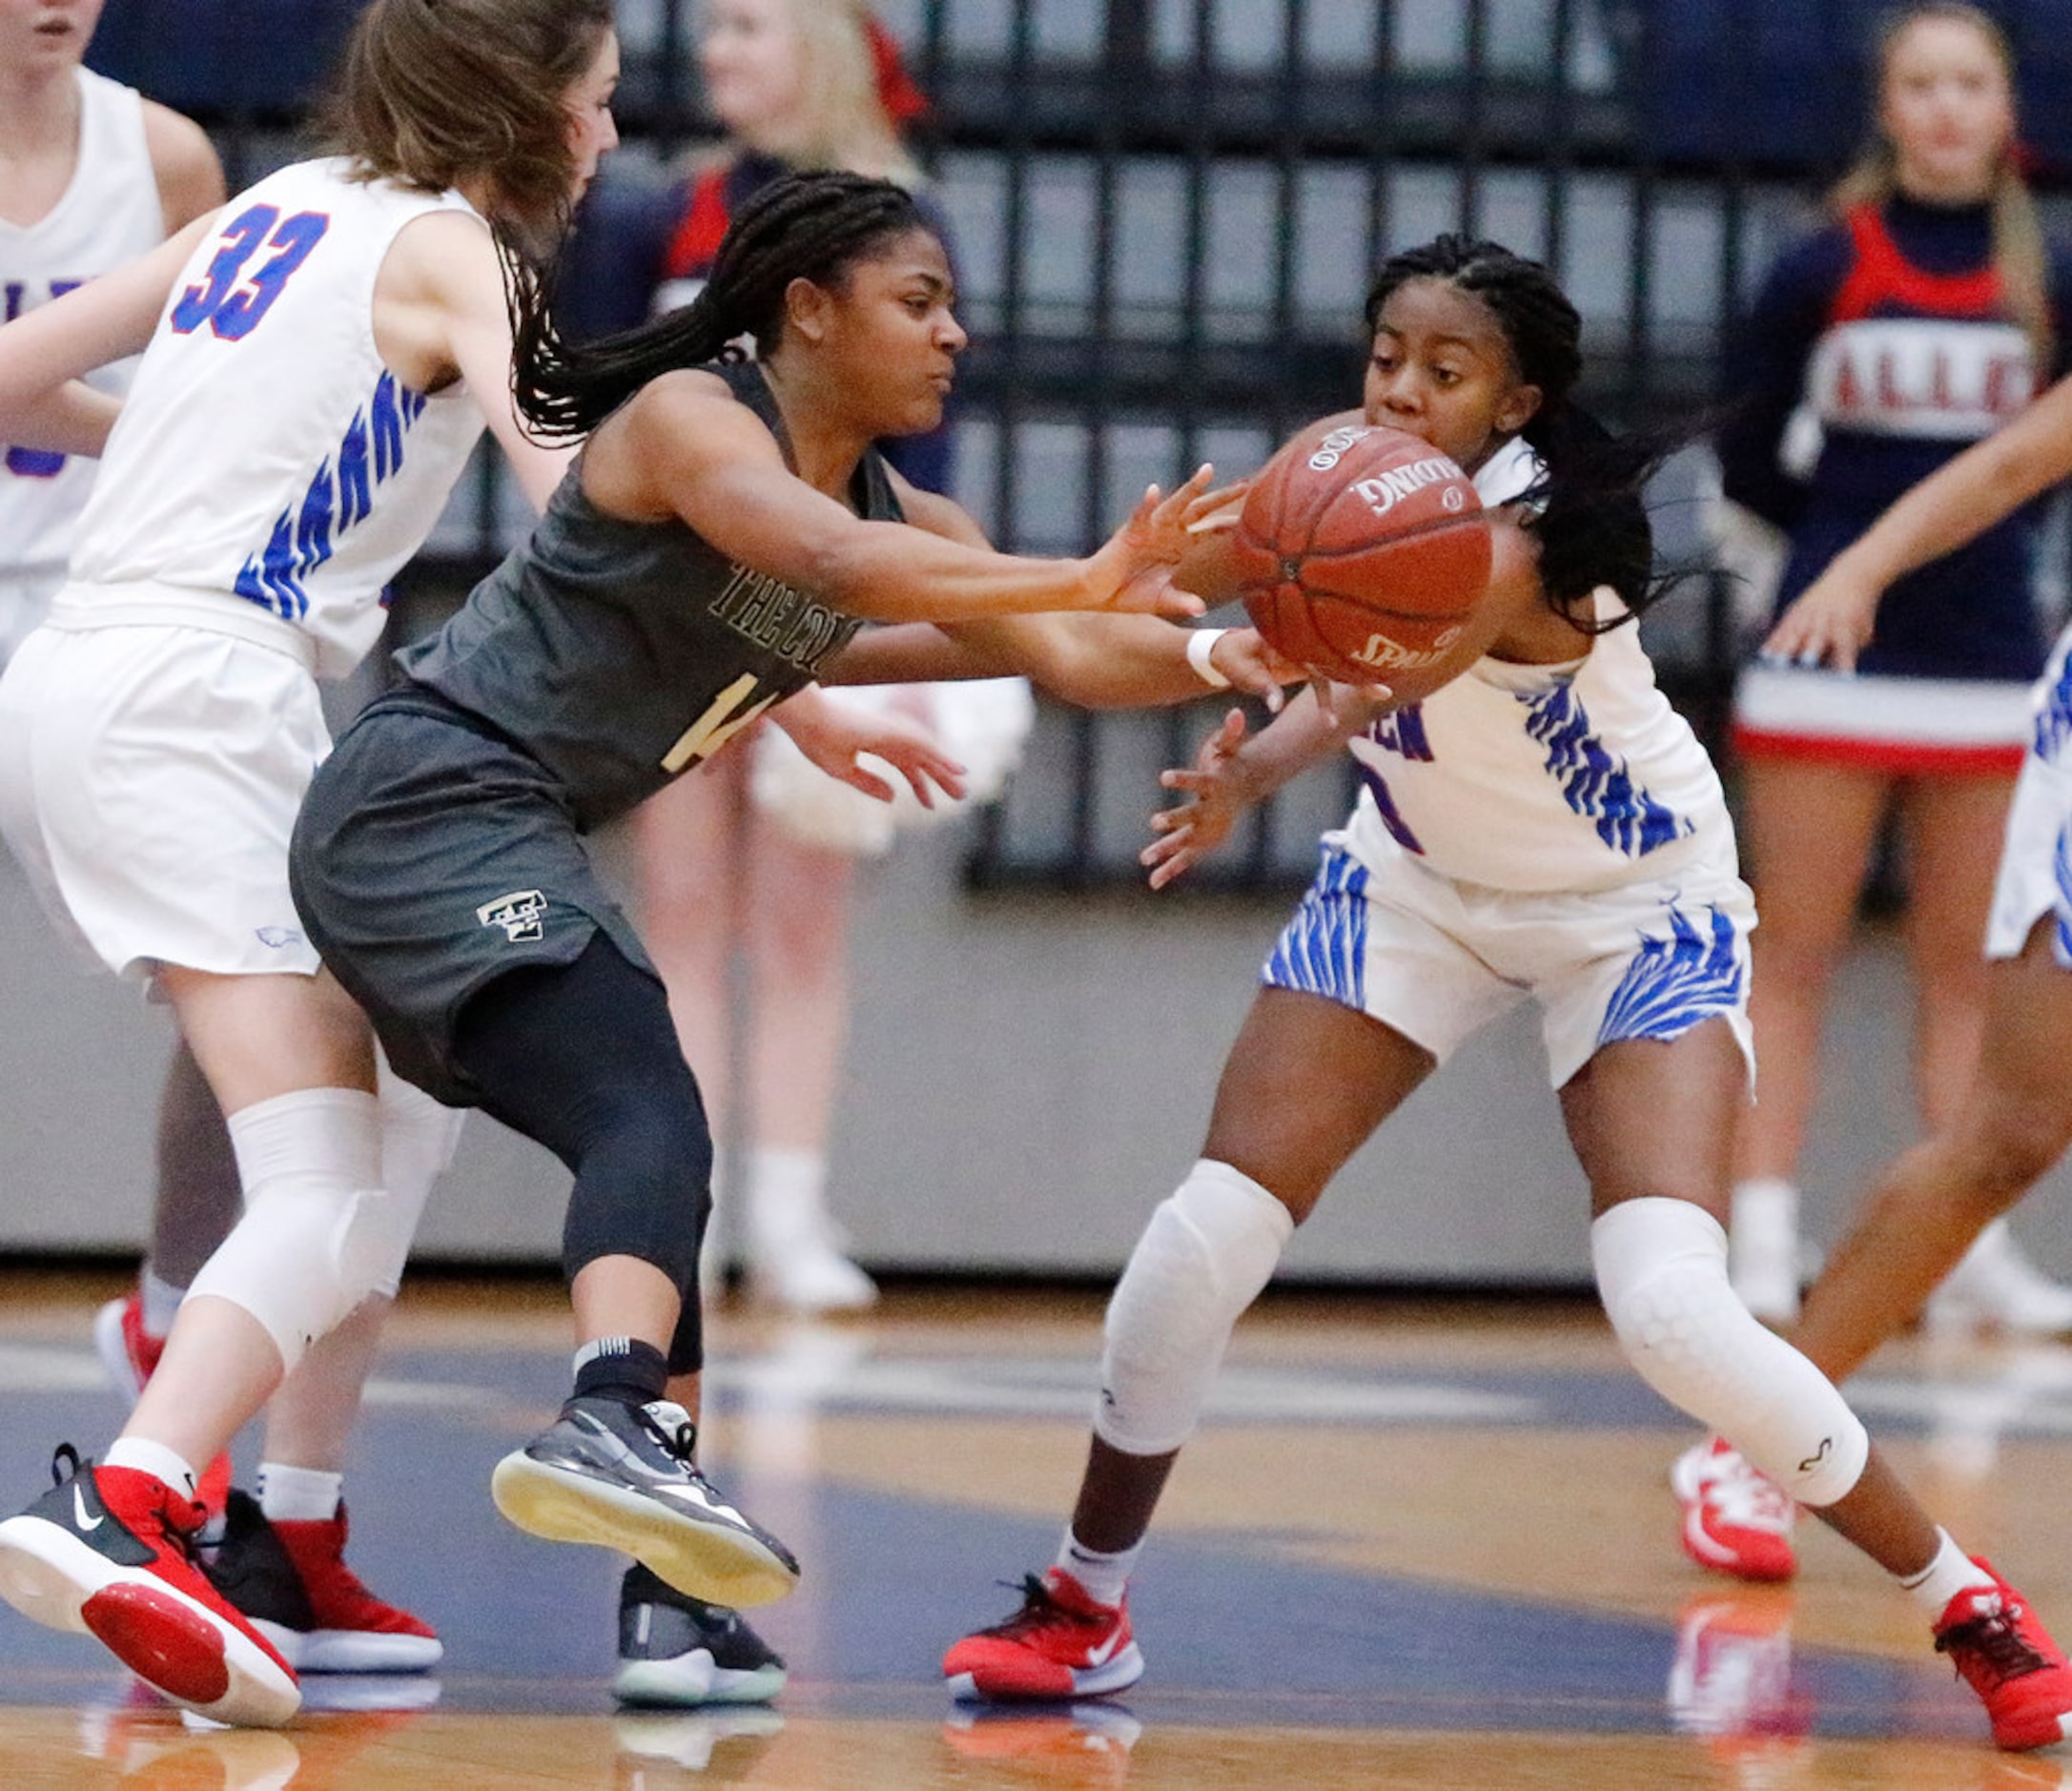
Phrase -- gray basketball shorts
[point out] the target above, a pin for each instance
(432, 856)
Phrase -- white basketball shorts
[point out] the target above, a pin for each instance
(149, 781)
(2036, 862)
(1438, 959)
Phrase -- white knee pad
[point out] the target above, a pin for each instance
(1208, 1250)
(311, 1164)
(1662, 1274)
(419, 1138)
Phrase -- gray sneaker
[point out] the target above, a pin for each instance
(674, 1649)
(622, 1476)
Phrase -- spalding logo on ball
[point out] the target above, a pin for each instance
(1362, 552)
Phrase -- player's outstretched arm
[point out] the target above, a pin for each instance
(1833, 616)
(44, 352)
(1094, 660)
(685, 447)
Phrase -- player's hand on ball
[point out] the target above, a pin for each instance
(1132, 572)
(1218, 509)
(1830, 623)
(1253, 665)
(1217, 792)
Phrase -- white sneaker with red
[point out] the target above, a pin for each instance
(1736, 1519)
(106, 1552)
(130, 1356)
(1059, 1644)
(2003, 1652)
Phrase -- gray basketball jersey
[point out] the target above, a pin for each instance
(619, 654)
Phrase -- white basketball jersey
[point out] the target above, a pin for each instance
(1539, 778)
(264, 449)
(110, 214)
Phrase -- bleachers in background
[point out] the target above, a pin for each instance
(1165, 213)
(1783, 82)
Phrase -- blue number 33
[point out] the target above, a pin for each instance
(229, 303)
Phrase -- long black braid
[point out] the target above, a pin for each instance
(1591, 524)
(803, 227)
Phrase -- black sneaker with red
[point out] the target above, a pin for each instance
(107, 1552)
(291, 1579)
(2008, 1656)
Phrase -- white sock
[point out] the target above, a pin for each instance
(293, 1496)
(1765, 1194)
(155, 1459)
(1105, 1577)
(785, 1200)
(1949, 1574)
(160, 1300)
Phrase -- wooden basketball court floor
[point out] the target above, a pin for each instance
(1419, 1544)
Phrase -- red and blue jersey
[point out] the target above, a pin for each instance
(1892, 330)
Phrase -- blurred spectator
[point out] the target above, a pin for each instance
(1925, 314)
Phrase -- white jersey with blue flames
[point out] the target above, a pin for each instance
(109, 214)
(1578, 776)
(266, 456)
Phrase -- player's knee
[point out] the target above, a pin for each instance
(1661, 1268)
(310, 1247)
(1208, 1250)
(2005, 1148)
(644, 1189)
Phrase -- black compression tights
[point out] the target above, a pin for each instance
(582, 1058)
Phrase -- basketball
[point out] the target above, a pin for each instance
(1360, 553)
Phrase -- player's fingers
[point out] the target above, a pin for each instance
(941, 771)
(1153, 592)
(1783, 643)
(1170, 869)
(1216, 509)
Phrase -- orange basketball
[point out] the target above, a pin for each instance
(1362, 552)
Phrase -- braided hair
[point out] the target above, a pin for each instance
(1591, 522)
(810, 226)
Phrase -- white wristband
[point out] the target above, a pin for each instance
(1201, 643)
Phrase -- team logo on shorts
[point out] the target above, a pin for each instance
(277, 939)
(519, 913)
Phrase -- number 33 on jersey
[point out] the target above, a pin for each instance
(358, 465)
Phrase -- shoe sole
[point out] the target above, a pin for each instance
(171, 1641)
(1113, 1676)
(706, 1560)
(351, 1651)
(692, 1679)
(2026, 1735)
(370, 1692)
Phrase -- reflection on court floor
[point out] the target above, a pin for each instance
(1416, 1544)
